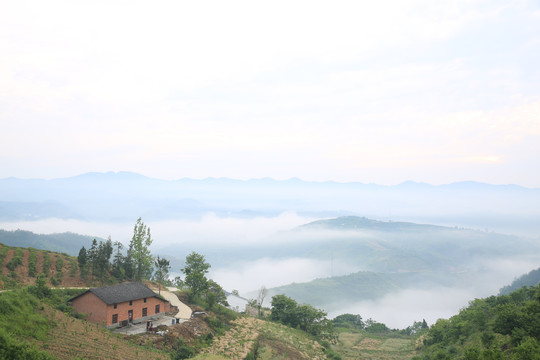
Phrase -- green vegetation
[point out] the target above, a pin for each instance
(139, 253)
(195, 272)
(59, 265)
(22, 319)
(16, 260)
(32, 263)
(46, 264)
(162, 270)
(304, 317)
(498, 327)
(530, 279)
(3, 251)
(72, 267)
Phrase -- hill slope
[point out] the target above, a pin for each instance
(68, 243)
(530, 279)
(498, 327)
(21, 266)
(28, 323)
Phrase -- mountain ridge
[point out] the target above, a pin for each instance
(129, 175)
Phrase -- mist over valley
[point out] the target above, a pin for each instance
(396, 254)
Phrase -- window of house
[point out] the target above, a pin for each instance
(115, 318)
(130, 302)
(115, 306)
(145, 312)
(144, 299)
(157, 309)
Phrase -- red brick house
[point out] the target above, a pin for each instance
(119, 304)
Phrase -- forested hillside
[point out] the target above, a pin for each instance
(530, 279)
(363, 285)
(498, 327)
(67, 242)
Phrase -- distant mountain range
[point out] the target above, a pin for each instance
(124, 196)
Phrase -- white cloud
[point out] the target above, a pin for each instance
(349, 90)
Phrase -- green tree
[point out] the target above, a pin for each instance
(140, 252)
(282, 309)
(215, 294)
(162, 271)
(82, 259)
(349, 321)
(195, 271)
(529, 349)
(118, 261)
(305, 317)
(92, 256)
(127, 265)
(102, 259)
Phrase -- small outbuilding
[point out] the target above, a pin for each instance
(121, 304)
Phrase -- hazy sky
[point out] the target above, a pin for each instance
(369, 91)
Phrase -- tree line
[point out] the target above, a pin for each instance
(105, 260)
(497, 327)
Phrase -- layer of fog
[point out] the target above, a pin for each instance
(400, 309)
(210, 230)
(397, 310)
(247, 277)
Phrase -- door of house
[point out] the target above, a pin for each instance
(130, 316)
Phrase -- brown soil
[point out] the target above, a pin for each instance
(189, 331)
(39, 262)
(21, 271)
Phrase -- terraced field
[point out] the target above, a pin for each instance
(76, 339)
(364, 346)
(21, 266)
(269, 341)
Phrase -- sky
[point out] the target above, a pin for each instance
(367, 91)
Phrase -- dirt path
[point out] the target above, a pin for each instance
(184, 311)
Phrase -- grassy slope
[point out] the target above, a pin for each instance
(29, 323)
(72, 338)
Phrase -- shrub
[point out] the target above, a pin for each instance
(16, 260)
(32, 263)
(46, 264)
(182, 351)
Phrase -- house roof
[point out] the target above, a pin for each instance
(120, 293)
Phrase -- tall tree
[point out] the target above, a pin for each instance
(162, 271)
(118, 261)
(82, 259)
(103, 256)
(92, 256)
(195, 271)
(140, 252)
(215, 294)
